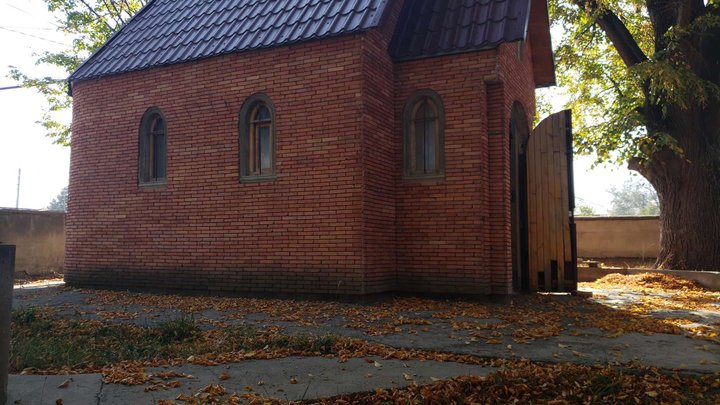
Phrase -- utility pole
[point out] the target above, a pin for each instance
(17, 198)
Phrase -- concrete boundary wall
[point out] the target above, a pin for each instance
(608, 237)
(39, 237)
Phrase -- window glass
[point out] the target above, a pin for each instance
(430, 142)
(418, 165)
(265, 164)
(257, 143)
(153, 149)
(423, 137)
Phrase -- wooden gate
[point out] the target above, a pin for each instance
(552, 251)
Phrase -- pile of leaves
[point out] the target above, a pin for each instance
(647, 282)
(663, 292)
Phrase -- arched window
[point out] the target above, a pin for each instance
(153, 151)
(424, 122)
(257, 139)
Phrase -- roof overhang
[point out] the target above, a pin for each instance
(541, 44)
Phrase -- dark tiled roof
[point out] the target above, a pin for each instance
(436, 27)
(172, 31)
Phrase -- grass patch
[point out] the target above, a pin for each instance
(41, 342)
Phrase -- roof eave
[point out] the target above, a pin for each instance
(92, 56)
(485, 47)
(541, 43)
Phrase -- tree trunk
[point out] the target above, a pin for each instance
(688, 188)
(690, 223)
(687, 180)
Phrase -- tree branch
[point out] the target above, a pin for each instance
(117, 17)
(99, 17)
(617, 32)
(127, 7)
(616, 86)
(688, 10)
(663, 14)
(122, 6)
(639, 165)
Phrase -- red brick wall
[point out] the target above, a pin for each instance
(512, 83)
(379, 157)
(441, 238)
(300, 233)
(454, 234)
(339, 219)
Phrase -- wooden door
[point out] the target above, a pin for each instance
(552, 253)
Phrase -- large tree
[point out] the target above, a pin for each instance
(643, 77)
(90, 23)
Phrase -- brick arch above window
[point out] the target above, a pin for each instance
(152, 159)
(424, 136)
(257, 139)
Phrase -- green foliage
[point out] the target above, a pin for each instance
(615, 104)
(635, 197)
(24, 316)
(177, 330)
(602, 94)
(42, 341)
(585, 211)
(59, 203)
(90, 23)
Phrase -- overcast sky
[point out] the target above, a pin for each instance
(26, 28)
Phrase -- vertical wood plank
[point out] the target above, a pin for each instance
(553, 189)
(558, 208)
(567, 251)
(537, 206)
(547, 208)
(531, 157)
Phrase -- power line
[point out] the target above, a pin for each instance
(33, 28)
(28, 13)
(31, 35)
(18, 9)
(9, 88)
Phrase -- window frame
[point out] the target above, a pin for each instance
(412, 105)
(247, 127)
(146, 156)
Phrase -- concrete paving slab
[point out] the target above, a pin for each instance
(587, 346)
(82, 389)
(315, 377)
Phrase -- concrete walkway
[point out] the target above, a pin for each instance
(293, 378)
(322, 377)
(574, 344)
